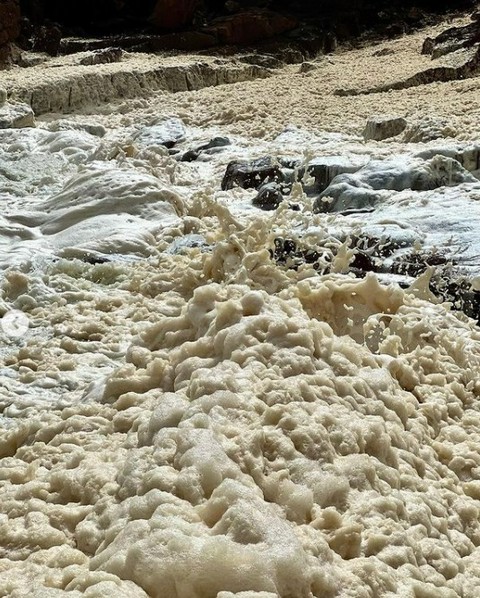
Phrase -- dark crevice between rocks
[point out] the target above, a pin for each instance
(447, 282)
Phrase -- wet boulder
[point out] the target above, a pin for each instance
(269, 197)
(251, 175)
(325, 168)
(361, 190)
(452, 39)
(215, 145)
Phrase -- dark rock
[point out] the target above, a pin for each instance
(286, 252)
(362, 262)
(216, 143)
(313, 40)
(269, 197)
(9, 21)
(428, 46)
(325, 168)
(9, 28)
(190, 156)
(250, 175)
(452, 39)
(104, 56)
(213, 146)
(47, 39)
(416, 262)
(95, 259)
(188, 41)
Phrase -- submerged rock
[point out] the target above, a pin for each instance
(183, 244)
(269, 197)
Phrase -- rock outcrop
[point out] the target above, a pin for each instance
(173, 14)
(198, 24)
(9, 26)
(251, 26)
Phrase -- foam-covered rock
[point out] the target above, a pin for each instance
(103, 56)
(325, 168)
(16, 116)
(383, 127)
(109, 191)
(167, 132)
(364, 188)
(428, 129)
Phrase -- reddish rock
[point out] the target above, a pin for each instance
(9, 27)
(252, 26)
(9, 21)
(173, 14)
